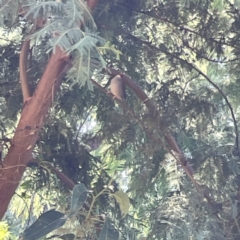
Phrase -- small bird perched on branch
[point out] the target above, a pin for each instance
(117, 88)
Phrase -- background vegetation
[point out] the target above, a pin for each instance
(175, 151)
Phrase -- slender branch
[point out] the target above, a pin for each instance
(172, 144)
(81, 125)
(172, 147)
(95, 197)
(68, 182)
(23, 69)
(154, 13)
(220, 91)
(163, 49)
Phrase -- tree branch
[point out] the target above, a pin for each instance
(61, 176)
(163, 49)
(23, 69)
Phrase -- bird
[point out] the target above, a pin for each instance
(117, 88)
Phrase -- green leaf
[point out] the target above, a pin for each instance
(108, 232)
(4, 230)
(27, 184)
(45, 224)
(123, 201)
(78, 198)
(69, 236)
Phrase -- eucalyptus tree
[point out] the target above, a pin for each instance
(43, 25)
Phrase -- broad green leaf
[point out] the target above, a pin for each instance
(78, 198)
(45, 224)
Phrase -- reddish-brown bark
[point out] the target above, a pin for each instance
(31, 121)
(32, 118)
(92, 4)
(171, 143)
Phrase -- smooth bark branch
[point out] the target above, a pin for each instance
(23, 70)
(172, 144)
(23, 59)
(169, 138)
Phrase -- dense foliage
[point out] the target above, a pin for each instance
(185, 56)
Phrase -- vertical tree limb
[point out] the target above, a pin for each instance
(26, 135)
(23, 70)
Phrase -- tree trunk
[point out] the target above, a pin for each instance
(31, 121)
